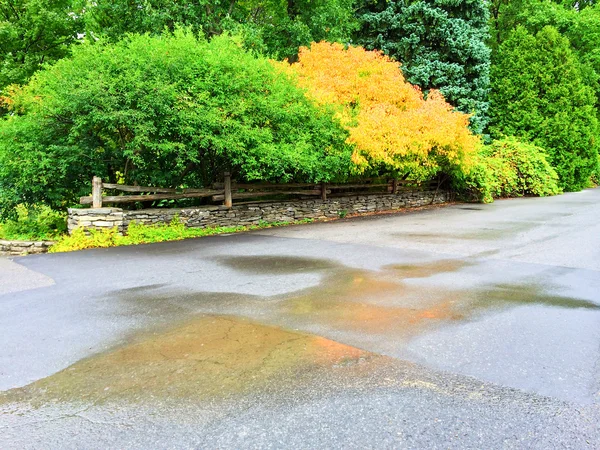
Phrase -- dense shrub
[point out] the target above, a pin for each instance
(170, 111)
(392, 127)
(595, 178)
(35, 223)
(276, 27)
(509, 168)
(33, 33)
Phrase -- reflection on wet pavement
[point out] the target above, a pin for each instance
(274, 265)
(428, 269)
(209, 356)
(199, 346)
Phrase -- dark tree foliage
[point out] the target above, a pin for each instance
(539, 94)
(441, 44)
(34, 32)
(274, 27)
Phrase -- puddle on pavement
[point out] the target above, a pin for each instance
(366, 302)
(212, 356)
(379, 302)
(427, 270)
(219, 355)
(507, 295)
(504, 229)
(370, 302)
(275, 265)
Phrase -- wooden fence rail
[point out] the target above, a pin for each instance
(228, 190)
(154, 193)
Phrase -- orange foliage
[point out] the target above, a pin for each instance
(389, 121)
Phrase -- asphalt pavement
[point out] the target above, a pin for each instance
(465, 326)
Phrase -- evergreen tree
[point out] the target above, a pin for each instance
(441, 45)
(579, 22)
(539, 94)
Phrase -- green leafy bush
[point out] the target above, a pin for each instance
(146, 234)
(277, 27)
(35, 223)
(170, 111)
(595, 178)
(509, 168)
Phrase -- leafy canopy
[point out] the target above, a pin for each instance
(441, 44)
(164, 111)
(580, 23)
(274, 27)
(539, 95)
(33, 32)
(393, 128)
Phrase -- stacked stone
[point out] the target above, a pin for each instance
(166, 215)
(254, 213)
(24, 247)
(95, 219)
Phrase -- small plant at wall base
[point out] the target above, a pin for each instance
(595, 178)
(38, 223)
(147, 234)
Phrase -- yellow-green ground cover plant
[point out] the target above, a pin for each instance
(146, 234)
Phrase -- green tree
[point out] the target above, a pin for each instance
(277, 28)
(580, 24)
(441, 45)
(33, 32)
(539, 95)
(164, 111)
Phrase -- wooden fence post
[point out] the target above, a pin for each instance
(395, 186)
(323, 191)
(97, 192)
(228, 201)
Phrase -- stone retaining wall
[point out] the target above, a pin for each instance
(24, 247)
(95, 219)
(253, 213)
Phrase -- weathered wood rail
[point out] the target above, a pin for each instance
(227, 191)
(153, 193)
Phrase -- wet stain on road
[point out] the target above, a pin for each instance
(501, 230)
(275, 265)
(510, 295)
(381, 303)
(427, 270)
(366, 302)
(218, 354)
(208, 357)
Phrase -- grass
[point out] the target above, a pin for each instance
(147, 234)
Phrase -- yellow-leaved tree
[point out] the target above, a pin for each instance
(393, 128)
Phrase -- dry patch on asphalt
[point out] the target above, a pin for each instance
(16, 278)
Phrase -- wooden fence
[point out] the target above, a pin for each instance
(227, 191)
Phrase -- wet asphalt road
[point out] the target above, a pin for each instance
(469, 326)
